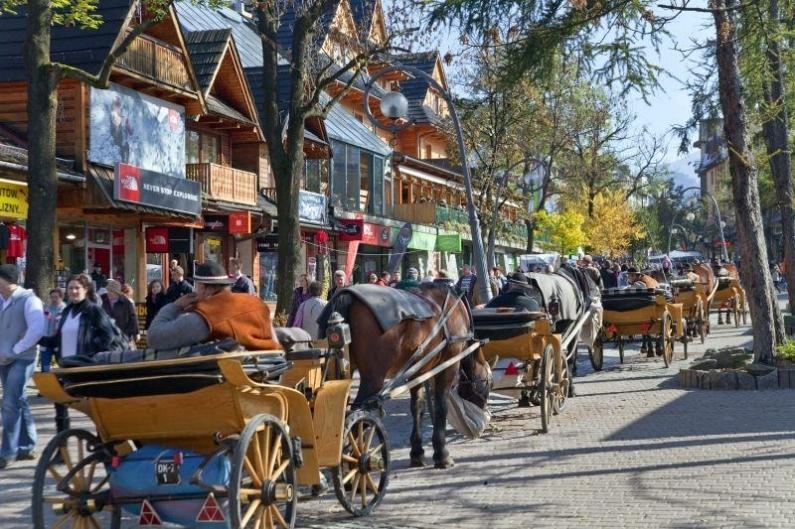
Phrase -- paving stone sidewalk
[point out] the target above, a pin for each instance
(631, 450)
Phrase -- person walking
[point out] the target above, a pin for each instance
(84, 329)
(121, 310)
(243, 284)
(310, 310)
(467, 283)
(22, 324)
(155, 300)
(52, 314)
(300, 294)
(179, 287)
(339, 283)
(411, 281)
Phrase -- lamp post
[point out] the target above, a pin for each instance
(675, 227)
(395, 107)
(721, 224)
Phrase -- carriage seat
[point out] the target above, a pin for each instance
(503, 323)
(725, 282)
(632, 298)
(683, 284)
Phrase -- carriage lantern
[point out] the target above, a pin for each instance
(338, 332)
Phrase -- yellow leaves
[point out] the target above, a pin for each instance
(613, 225)
(560, 232)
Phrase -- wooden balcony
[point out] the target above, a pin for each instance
(421, 213)
(220, 182)
(156, 60)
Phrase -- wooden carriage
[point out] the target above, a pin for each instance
(641, 312)
(730, 296)
(274, 436)
(695, 299)
(539, 368)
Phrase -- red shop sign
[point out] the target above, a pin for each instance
(156, 240)
(376, 235)
(240, 223)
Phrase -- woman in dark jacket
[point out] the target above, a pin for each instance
(300, 295)
(84, 329)
(155, 300)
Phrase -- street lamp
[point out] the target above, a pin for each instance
(721, 224)
(395, 107)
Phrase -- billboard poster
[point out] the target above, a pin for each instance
(136, 129)
(401, 244)
(148, 188)
(311, 207)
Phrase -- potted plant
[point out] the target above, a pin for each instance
(785, 355)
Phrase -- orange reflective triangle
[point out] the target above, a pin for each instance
(210, 511)
(148, 515)
(511, 370)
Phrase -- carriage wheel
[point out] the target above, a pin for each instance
(361, 479)
(620, 340)
(596, 353)
(262, 485)
(665, 343)
(70, 485)
(546, 387)
(563, 386)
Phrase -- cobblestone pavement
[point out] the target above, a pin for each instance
(631, 450)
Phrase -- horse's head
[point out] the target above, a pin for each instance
(475, 381)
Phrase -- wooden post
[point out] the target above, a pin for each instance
(140, 256)
(80, 127)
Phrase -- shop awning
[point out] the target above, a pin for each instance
(103, 178)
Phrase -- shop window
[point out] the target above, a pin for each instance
(209, 149)
(365, 181)
(72, 253)
(268, 281)
(388, 190)
(312, 176)
(428, 152)
(353, 198)
(214, 249)
(201, 147)
(377, 188)
(192, 146)
(338, 187)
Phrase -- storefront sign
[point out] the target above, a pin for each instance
(156, 240)
(312, 207)
(268, 243)
(147, 188)
(350, 229)
(376, 235)
(240, 223)
(401, 243)
(13, 200)
(448, 243)
(422, 241)
(216, 223)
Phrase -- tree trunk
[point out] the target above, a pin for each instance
(491, 247)
(42, 176)
(776, 133)
(754, 272)
(530, 235)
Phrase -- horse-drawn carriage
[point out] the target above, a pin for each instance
(730, 295)
(533, 353)
(209, 438)
(645, 312)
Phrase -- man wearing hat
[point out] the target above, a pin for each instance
(411, 281)
(213, 312)
(22, 324)
(641, 280)
(515, 295)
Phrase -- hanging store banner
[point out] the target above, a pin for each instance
(401, 243)
(350, 229)
(312, 207)
(376, 235)
(13, 200)
(216, 223)
(268, 243)
(156, 240)
(147, 188)
(129, 127)
(448, 243)
(240, 223)
(422, 241)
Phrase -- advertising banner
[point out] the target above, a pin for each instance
(376, 235)
(156, 240)
(268, 243)
(350, 229)
(401, 243)
(240, 223)
(312, 207)
(448, 243)
(147, 188)
(13, 200)
(136, 129)
(422, 241)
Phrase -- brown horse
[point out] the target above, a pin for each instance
(379, 355)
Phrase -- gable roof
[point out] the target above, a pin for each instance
(82, 48)
(342, 126)
(206, 49)
(416, 88)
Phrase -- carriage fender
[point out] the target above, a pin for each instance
(331, 404)
(52, 390)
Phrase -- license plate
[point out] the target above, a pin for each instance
(167, 472)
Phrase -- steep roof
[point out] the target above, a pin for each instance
(363, 11)
(81, 48)
(342, 126)
(206, 49)
(416, 88)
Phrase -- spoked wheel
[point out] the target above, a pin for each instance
(262, 488)
(70, 486)
(546, 386)
(361, 479)
(596, 353)
(562, 387)
(620, 340)
(665, 343)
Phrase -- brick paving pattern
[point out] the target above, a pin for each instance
(630, 451)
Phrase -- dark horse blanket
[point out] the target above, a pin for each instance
(390, 306)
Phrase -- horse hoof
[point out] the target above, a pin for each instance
(417, 462)
(447, 463)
